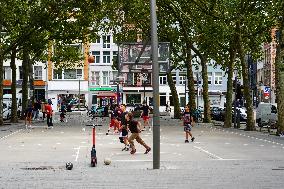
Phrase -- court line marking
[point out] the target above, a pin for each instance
(78, 152)
(207, 152)
(5, 137)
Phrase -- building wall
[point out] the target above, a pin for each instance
(39, 75)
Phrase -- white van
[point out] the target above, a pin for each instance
(6, 111)
(265, 113)
(7, 98)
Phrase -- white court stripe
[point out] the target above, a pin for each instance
(78, 152)
(4, 137)
(134, 160)
(215, 156)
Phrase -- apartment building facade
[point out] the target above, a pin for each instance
(39, 74)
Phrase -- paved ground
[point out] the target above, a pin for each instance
(219, 158)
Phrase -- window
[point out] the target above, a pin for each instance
(95, 78)
(57, 74)
(209, 78)
(20, 72)
(218, 78)
(106, 41)
(7, 72)
(175, 80)
(114, 75)
(96, 55)
(79, 73)
(106, 57)
(133, 98)
(38, 72)
(163, 80)
(115, 57)
(98, 40)
(137, 79)
(105, 78)
(182, 80)
(70, 74)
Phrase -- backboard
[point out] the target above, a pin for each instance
(133, 57)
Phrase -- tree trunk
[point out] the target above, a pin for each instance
(172, 86)
(250, 120)
(25, 67)
(190, 84)
(1, 87)
(207, 115)
(228, 113)
(14, 115)
(280, 82)
(31, 80)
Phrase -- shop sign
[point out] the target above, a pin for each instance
(102, 89)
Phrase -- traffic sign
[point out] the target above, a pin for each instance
(266, 90)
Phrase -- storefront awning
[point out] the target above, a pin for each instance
(104, 95)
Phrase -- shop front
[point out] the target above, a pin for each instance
(102, 96)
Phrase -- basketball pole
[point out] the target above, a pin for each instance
(156, 112)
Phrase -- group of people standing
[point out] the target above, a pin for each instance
(32, 112)
(123, 123)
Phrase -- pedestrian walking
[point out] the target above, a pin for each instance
(28, 116)
(43, 110)
(123, 127)
(134, 127)
(63, 112)
(187, 123)
(36, 110)
(145, 115)
(49, 112)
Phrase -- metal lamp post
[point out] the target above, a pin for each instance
(197, 101)
(144, 79)
(79, 93)
(235, 101)
(156, 70)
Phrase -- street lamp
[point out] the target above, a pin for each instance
(79, 106)
(235, 102)
(144, 79)
(156, 93)
(197, 101)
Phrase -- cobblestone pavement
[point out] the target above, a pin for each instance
(219, 158)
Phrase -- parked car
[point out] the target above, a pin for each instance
(243, 114)
(266, 113)
(6, 111)
(216, 113)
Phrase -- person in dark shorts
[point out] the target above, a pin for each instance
(187, 123)
(134, 127)
(28, 116)
(145, 115)
(114, 123)
(123, 126)
(63, 112)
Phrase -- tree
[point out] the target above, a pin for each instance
(279, 67)
(27, 22)
(14, 109)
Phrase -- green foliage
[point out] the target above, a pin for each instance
(34, 24)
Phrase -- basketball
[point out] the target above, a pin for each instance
(69, 166)
(107, 161)
(91, 59)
